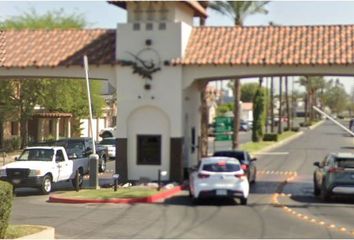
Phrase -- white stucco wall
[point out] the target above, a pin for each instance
(148, 120)
(191, 113)
(158, 110)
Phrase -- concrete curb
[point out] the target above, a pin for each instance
(46, 233)
(154, 198)
(278, 144)
(316, 124)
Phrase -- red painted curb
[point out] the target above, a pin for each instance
(150, 199)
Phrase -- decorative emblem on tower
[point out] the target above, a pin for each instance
(145, 63)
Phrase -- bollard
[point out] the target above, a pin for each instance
(77, 184)
(93, 158)
(115, 177)
(159, 180)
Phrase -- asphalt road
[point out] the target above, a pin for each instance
(299, 215)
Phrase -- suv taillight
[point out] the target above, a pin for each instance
(335, 170)
(244, 167)
(203, 175)
(241, 176)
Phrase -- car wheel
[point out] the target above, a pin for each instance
(316, 190)
(46, 186)
(325, 195)
(243, 201)
(103, 164)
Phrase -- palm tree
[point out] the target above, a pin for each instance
(238, 11)
(280, 127)
(203, 145)
(312, 85)
(287, 103)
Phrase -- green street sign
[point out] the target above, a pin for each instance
(223, 124)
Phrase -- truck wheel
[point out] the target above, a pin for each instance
(46, 184)
(103, 164)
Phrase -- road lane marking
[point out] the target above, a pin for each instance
(277, 203)
(273, 153)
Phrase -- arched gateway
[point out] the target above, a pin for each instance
(157, 60)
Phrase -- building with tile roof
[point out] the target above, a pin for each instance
(157, 60)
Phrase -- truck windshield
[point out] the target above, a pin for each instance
(37, 155)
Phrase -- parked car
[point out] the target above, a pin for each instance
(110, 144)
(107, 132)
(40, 167)
(244, 126)
(218, 177)
(247, 162)
(83, 148)
(334, 175)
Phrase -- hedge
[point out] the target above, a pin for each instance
(270, 137)
(5, 206)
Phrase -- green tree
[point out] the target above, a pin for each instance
(224, 108)
(336, 97)
(56, 19)
(312, 85)
(66, 95)
(238, 11)
(248, 91)
(258, 115)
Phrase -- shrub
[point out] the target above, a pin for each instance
(295, 129)
(305, 124)
(5, 206)
(16, 143)
(270, 137)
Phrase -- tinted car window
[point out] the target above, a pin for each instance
(218, 167)
(238, 155)
(345, 163)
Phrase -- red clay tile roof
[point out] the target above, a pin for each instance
(2, 47)
(270, 45)
(50, 48)
(199, 7)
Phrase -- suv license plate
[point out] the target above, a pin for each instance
(221, 192)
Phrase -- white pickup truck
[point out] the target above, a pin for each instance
(40, 167)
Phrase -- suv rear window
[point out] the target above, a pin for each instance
(238, 155)
(218, 167)
(345, 162)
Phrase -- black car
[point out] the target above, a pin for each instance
(247, 163)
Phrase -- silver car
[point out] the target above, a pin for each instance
(334, 175)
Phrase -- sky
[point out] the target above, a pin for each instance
(101, 14)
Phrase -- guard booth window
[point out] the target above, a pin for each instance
(149, 149)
